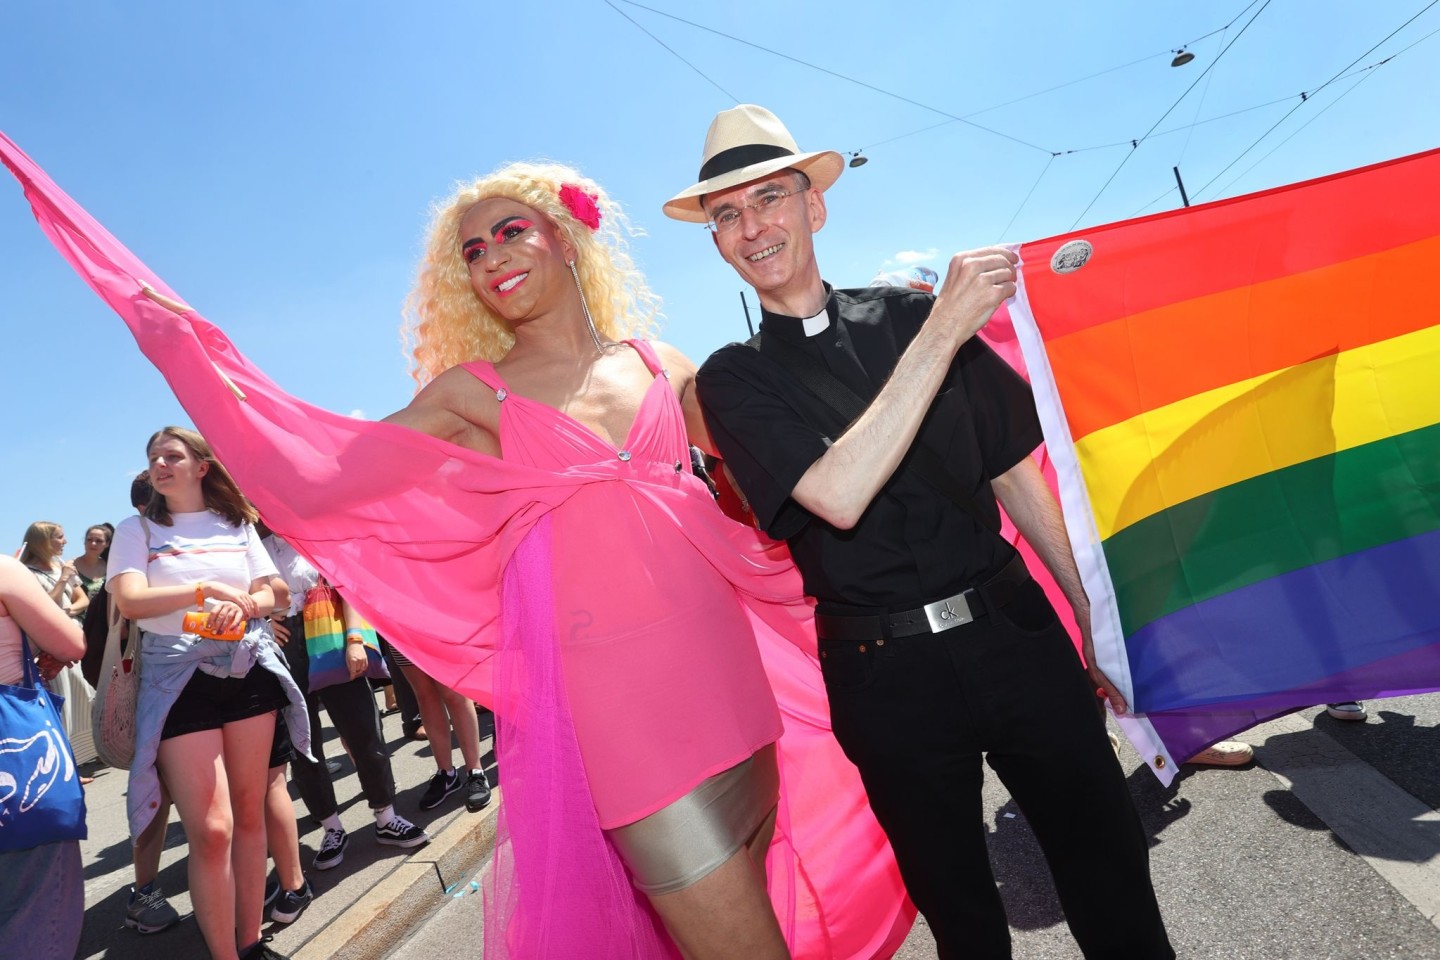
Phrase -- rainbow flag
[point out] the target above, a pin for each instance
(1243, 404)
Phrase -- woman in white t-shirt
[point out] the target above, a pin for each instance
(206, 710)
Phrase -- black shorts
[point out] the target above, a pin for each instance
(282, 751)
(208, 703)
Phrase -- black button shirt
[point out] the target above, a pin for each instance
(913, 544)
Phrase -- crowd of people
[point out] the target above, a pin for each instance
(218, 721)
(653, 663)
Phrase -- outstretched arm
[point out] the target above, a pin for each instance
(1026, 497)
(839, 486)
(445, 408)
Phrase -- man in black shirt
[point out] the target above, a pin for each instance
(873, 432)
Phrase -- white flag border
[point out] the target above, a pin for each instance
(1084, 535)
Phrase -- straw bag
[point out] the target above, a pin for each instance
(112, 716)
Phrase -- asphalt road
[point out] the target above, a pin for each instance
(1327, 847)
(1243, 867)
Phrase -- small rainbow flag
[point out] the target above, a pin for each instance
(1243, 404)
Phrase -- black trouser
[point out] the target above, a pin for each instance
(916, 715)
(351, 706)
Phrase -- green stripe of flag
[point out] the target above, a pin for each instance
(1277, 522)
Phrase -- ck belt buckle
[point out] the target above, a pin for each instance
(948, 613)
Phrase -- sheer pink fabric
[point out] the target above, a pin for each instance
(417, 532)
(556, 887)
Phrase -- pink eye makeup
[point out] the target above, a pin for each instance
(510, 228)
(503, 232)
(472, 250)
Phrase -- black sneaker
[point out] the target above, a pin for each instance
(261, 951)
(148, 911)
(332, 849)
(441, 786)
(477, 791)
(399, 832)
(291, 903)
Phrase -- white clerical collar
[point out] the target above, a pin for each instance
(817, 324)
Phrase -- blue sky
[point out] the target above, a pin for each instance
(274, 162)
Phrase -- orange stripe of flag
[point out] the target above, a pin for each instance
(1111, 372)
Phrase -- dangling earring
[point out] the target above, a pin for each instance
(585, 308)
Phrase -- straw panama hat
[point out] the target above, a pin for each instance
(746, 143)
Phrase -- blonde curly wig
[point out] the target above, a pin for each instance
(445, 322)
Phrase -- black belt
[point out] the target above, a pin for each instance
(944, 614)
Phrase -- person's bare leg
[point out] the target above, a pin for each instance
(282, 833)
(725, 915)
(193, 765)
(465, 724)
(151, 842)
(247, 756)
(433, 715)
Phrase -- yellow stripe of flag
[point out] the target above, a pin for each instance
(1199, 444)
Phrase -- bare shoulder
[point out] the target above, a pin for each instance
(676, 362)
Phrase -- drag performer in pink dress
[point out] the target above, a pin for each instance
(528, 530)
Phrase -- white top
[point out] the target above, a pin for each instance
(197, 546)
(48, 579)
(299, 576)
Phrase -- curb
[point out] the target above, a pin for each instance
(377, 923)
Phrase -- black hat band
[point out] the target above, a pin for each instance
(737, 157)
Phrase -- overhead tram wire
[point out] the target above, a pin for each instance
(1322, 86)
(1101, 73)
(838, 76)
(1367, 72)
(1118, 143)
(1304, 94)
(1210, 78)
(950, 118)
(1140, 140)
(1189, 126)
(1293, 134)
(1061, 86)
(1013, 216)
(733, 98)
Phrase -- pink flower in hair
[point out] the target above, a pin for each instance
(581, 205)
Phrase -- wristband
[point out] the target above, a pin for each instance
(354, 636)
(200, 595)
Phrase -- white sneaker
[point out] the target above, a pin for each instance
(1349, 710)
(1226, 753)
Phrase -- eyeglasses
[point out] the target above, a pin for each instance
(766, 205)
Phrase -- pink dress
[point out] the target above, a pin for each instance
(449, 553)
(661, 669)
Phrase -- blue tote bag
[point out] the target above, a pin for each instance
(41, 800)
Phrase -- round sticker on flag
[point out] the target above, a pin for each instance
(1072, 256)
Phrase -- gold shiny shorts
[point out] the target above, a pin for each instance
(682, 843)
